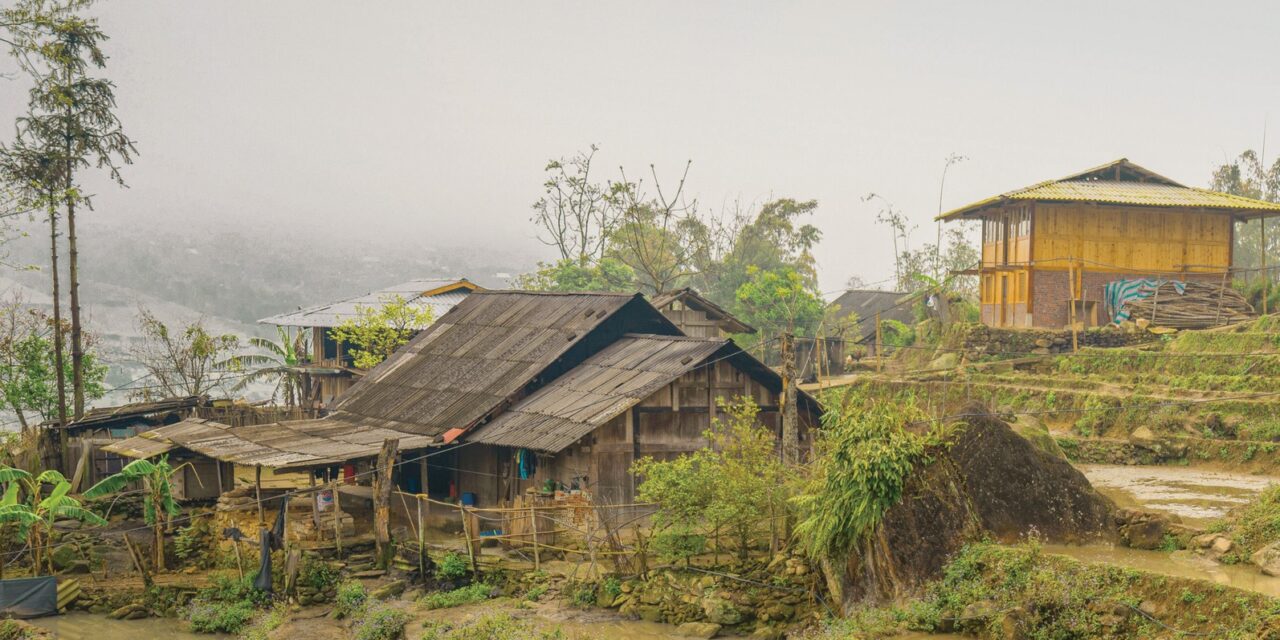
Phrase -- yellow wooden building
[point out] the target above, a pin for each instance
(1056, 244)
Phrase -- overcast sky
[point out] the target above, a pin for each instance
(434, 119)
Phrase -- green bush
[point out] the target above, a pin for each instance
(612, 588)
(10, 630)
(458, 597)
(220, 617)
(226, 606)
(679, 544)
(266, 623)
(351, 599)
(381, 623)
(318, 575)
(452, 566)
(499, 626)
(584, 596)
(896, 334)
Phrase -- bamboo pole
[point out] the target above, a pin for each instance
(1266, 275)
(337, 519)
(315, 502)
(879, 346)
(533, 520)
(422, 542)
(257, 493)
(466, 535)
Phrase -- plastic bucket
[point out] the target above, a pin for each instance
(468, 499)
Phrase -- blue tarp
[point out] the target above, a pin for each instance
(1118, 293)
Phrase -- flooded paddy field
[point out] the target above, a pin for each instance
(1197, 496)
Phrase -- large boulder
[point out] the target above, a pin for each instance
(990, 483)
(1268, 559)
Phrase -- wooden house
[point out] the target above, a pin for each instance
(1050, 249)
(328, 369)
(865, 305)
(512, 390)
(697, 316)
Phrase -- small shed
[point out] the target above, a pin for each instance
(89, 455)
(1050, 249)
(866, 304)
(329, 366)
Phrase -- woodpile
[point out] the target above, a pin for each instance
(1201, 306)
(239, 499)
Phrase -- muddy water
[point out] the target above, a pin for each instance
(87, 626)
(1182, 564)
(1196, 495)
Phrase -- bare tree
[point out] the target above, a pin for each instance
(183, 361)
(659, 236)
(575, 215)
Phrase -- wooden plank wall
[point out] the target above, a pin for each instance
(1131, 239)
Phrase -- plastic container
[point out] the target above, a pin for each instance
(468, 499)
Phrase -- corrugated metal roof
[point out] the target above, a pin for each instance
(596, 391)
(441, 295)
(1094, 187)
(278, 445)
(486, 352)
(867, 302)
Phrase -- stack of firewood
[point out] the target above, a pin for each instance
(1201, 306)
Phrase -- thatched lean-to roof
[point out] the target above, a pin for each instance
(277, 445)
(609, 383)
(489, 351)
(137, 413)
(867, 302)
(439, 295)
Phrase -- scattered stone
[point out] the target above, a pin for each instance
(370, 573)
(721, 611)
(698, 630)
(1268, 559)
(389, 590)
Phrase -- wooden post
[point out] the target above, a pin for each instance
(337, 519)
(879, 346)
(257, 493)
(382, 502)
(466, 535)
(315, 502)
(138, 561)
(1071, 300)
(422, 542)
(533, 520)
(790, 416)
(239, 559)
(1266, 275)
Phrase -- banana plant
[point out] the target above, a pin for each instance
(278, 362)
(25, 509)
(159, 506)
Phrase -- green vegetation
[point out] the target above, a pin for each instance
(377, 332)
(380, 622)
(318, 575)
(1255, 526)
(351, 599)
(498, 626)
(27, 514)
(464, 595)
(994, 591)
(452, 567)
(864, 456)
(159, 505)
(265, 623)
(736, 486)
(227, 606)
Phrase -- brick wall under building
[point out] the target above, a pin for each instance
(1050, 291)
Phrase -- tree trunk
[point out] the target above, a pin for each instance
(77, 341)
(159, 526)
(382, 502)
(57, 334)
(790, 417)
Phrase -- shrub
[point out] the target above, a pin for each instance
(266, 623)
(612, 588)
(381, 623)
(584, 596)
(894, 333)
(351, 599)
(458, 597)
(220, 617)
(452, 566)
(535, 592)
(499, 626)
(11, 630)
(317, 575)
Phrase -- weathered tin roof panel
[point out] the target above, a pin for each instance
(278, 445)
(439, 295)
(596, 391)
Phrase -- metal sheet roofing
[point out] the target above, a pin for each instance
(439, 295)
(867, 302)
(596, 391)
(1136, 187)
(277, 445)
(485, 353)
